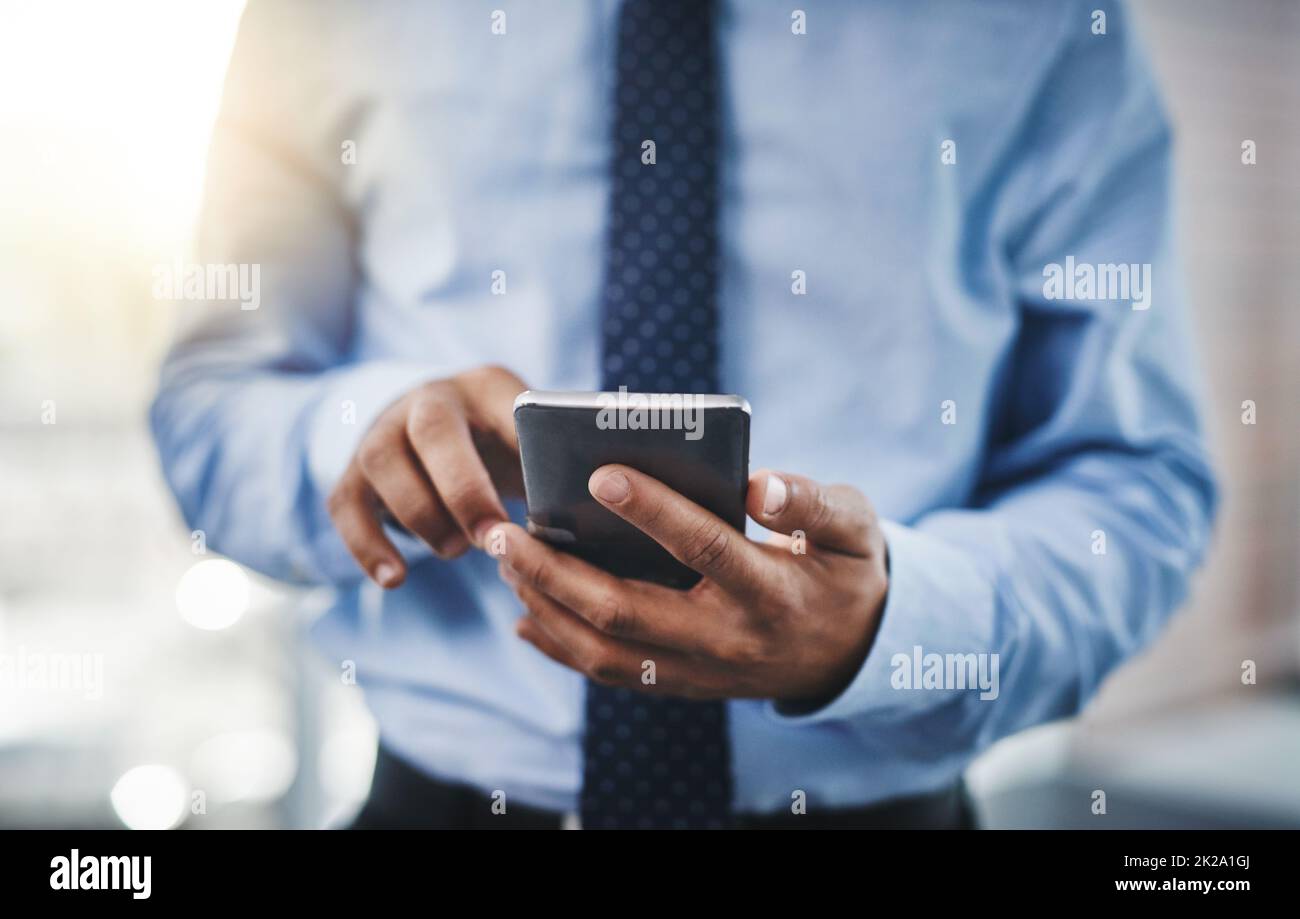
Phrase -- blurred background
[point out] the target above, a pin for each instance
(146, 682)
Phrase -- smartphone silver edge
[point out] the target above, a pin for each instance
(584, 399)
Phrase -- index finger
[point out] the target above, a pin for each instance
(622, 609)
(441, 438)
(697, 538)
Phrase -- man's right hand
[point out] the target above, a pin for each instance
(436, 461)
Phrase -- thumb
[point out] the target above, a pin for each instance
(837, 517)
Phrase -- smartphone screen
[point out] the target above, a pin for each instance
(697, 445)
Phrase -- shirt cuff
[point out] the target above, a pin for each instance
(939, 602)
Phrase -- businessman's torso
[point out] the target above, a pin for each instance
(863, 293)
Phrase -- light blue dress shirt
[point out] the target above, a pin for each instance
(919, 166)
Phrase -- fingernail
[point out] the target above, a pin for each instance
(613, 487)
(775, 496)
(386, 574)
(494, 541)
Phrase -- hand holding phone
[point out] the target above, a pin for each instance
(697, 445)
(791, 618)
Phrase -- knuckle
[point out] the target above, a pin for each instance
(488, 372)
(649, 518)
(537, 573)
(822, 511)
(603, 668)
(855, 503)
(429, 415)
(344, 495)
(502, 374)
(708, 547)
(745, 650)
(371, 454)
(869, 516)
(611, 616)
(338, 499)
(473, 384)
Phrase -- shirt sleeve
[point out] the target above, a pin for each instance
(1095, 499)
(259, 409)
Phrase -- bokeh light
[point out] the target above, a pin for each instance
(150, 797)
(249, 766)
(213, 594)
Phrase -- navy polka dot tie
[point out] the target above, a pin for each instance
(653, 761)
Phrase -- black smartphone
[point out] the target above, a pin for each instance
(697, 445)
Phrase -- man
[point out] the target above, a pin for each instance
(860, 217)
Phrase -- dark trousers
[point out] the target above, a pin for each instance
(403, 798)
